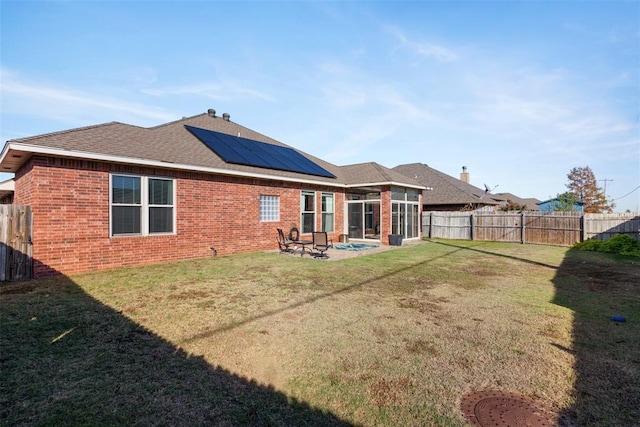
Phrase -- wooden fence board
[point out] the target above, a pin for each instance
(497, 228)
(605, 226)
(449, 225)
(548, 228)
(16, 249)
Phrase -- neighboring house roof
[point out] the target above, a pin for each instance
(555, 200)
(444, 189)
(172, 146)
(7, 187)
(531, 203)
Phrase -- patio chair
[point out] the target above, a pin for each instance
(284, 243)
(294, 234)
(320, 244)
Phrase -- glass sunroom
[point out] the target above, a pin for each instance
(374, 213)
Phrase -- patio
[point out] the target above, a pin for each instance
(339, 254)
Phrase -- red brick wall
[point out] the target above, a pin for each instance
(385, 211)
(70, 203)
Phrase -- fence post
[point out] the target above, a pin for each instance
(522, 227)
(582, 228)
(430, 223)
(472, 231)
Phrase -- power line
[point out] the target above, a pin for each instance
(622, 197)
(605, 185)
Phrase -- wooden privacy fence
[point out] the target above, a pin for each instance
(16, 249)
(549, 228)
(605, 226)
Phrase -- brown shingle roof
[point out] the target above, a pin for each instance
(174, 146)
(374, 173)
(445, 189)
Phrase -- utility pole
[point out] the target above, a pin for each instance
(605, 186)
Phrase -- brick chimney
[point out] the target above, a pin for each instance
(464, 176)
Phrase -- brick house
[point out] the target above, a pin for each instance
(114, 194)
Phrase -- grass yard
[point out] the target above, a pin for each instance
(390, 339)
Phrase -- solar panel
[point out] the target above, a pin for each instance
(247, 152)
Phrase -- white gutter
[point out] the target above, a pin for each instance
(152, 163)
(170, 165)
(375, 184)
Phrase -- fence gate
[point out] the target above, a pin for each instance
(16, 249)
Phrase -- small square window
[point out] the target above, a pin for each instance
(269, 208)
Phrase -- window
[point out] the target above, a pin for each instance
(160, 206)
(327, 212)
(269, 208)
(126, 205)
(142, 205)
(405, 213)
(308, 211)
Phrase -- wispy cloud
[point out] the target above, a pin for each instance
(21, 96)
(225, 90)
(423, 48)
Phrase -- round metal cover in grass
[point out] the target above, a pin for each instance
(503, 408)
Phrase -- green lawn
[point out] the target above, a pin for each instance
(394, 339)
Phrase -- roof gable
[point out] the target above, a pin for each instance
(169, 145)
(173, 146)
(374, 173)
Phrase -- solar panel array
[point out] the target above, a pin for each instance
(247, 152)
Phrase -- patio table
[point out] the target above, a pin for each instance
(304, 244)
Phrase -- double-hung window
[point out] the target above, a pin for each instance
(327, 212)
(308, 211)
(142, 205)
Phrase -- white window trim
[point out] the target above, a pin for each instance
(144, 205)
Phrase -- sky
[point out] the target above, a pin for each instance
(519, 92)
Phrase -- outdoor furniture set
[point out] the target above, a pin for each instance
(317, 247)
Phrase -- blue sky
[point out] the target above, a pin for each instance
(519, 92)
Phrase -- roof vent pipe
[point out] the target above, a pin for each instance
(211, 112)
(226, 116)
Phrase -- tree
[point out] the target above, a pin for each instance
(513, 206)
(582, 183)
(566, 202)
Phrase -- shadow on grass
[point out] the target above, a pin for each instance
(68, 360)
(595, 287)
(475, 249)
(211, 332)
